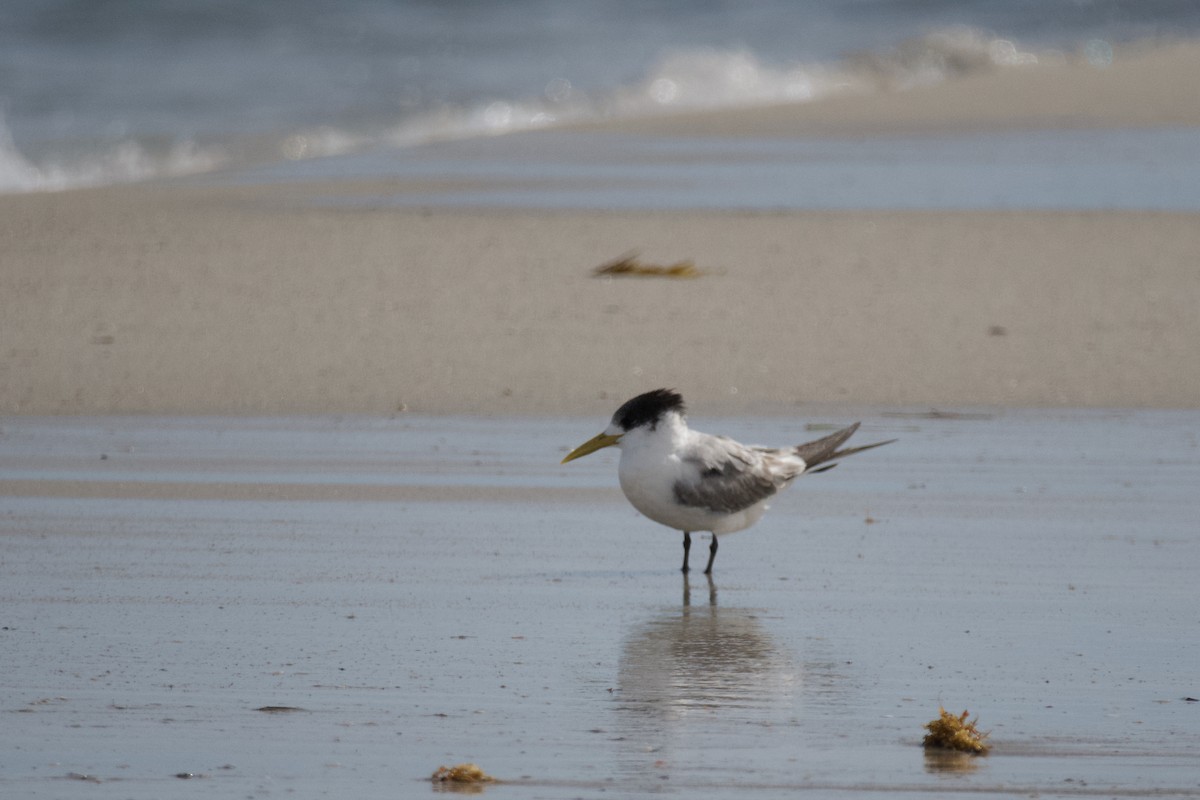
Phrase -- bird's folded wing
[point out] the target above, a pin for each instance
(728, 476)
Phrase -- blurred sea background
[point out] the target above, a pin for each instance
(95, 93)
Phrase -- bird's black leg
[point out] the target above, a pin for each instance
(712, 554)
(687, 545)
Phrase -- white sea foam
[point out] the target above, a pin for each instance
(124, 162)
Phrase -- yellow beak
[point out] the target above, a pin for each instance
(598, 442)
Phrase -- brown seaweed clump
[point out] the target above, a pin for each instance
(629, 265)
(955, 733)
(461, 773)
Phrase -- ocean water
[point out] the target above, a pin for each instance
(94, 93)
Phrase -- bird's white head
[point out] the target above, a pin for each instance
(643, 414)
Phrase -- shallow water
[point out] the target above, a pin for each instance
(430, 591)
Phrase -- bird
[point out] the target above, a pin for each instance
(695, 482)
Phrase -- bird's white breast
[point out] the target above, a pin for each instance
(649, 470)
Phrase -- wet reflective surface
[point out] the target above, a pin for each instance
(427, 591)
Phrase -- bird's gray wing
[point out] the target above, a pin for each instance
(731, 476)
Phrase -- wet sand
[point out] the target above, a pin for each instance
(422, 591)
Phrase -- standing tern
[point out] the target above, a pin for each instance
(694, 481)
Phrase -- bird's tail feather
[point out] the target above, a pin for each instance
(825, 450)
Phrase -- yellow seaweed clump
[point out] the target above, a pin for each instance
(461, 773)
(629, 265)
(955, 733)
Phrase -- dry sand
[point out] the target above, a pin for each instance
(187, 299)
(178, 301)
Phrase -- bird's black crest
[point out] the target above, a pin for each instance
(648, 409)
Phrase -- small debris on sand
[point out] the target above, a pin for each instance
(955, 733)
(83, 776)
(461, 773)
(628, 264)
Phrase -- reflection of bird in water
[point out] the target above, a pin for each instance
(705, 690)
(703, 658)
(692, 481)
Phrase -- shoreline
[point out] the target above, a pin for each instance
(1140, 88)
(197, 297)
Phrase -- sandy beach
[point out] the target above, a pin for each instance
(150, 299)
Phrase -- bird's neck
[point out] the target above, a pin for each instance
(668, 435)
